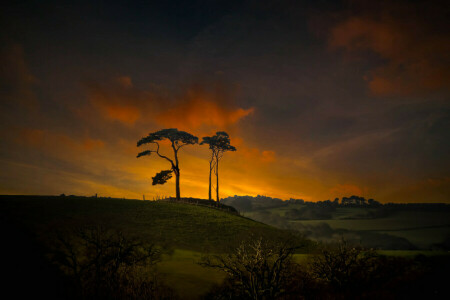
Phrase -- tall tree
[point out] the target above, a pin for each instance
(218, 144)
(178, 139)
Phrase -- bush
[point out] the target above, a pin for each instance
(108, 265)
(257, 269)
(345, 268)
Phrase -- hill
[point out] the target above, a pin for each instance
(29, 225)
(390, 226)
(178, 225)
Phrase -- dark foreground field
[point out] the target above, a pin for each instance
(30, 226)
(34, 228)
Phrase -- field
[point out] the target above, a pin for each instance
(423, 229)
(181, 271)
(184, 229)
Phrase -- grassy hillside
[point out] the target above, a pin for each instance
(30, 223)
(178, 225)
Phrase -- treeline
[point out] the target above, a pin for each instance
(250, 203)
(261, 269)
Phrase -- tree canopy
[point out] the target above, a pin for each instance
(219, 142)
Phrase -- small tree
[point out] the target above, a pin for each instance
(219, 144)
(257, 269)
(105, 264)
(178, 139)
(344, 267)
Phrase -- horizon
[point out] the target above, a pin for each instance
(321, 100)
(162, 198)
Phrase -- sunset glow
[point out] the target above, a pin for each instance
(320, 103)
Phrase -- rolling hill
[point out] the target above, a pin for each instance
(30, 224)
(178, 225)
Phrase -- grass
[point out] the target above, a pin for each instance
(340, 213)
(178, 225)
(412, 253)
(405, 220)
(423, 229)
(182, 272)
(188, 230)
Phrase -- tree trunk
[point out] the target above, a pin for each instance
(217, 183)
(177, 184)
(210, 171)
(177, 173)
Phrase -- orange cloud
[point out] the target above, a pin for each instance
(56, 142)
(90, 144)
(415, 53)
(198, 108)
(34, 137)
(268, 156)
(256, 155)
(125, 114)
(118, 101)
(345, 190)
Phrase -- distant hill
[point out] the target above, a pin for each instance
(387, 226)
(249, 203)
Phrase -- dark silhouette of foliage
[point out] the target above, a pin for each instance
(257, 269)
(162, 177)
(345, 268)
(107, 265)
(178, 139)
(218, 144)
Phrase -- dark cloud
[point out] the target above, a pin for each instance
(410, 38)
(17, 83)
(320, 98)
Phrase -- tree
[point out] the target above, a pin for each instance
(257, 269)
(178, 139)
(218, 144)
(106, 264)
(344, 267)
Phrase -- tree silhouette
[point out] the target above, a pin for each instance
(178, 139)
(219, 144)
(257, 269)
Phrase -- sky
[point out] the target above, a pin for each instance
(322, 99)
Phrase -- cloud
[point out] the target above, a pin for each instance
(91, 144)
(194, 108)
(252, 154)
(408, 38)
(118, 100)
(268, 156)
(57, 142)
(200, 108)
(125, 81)
(346, 190)
(436, 189)
(124, 113)
(16, 79)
